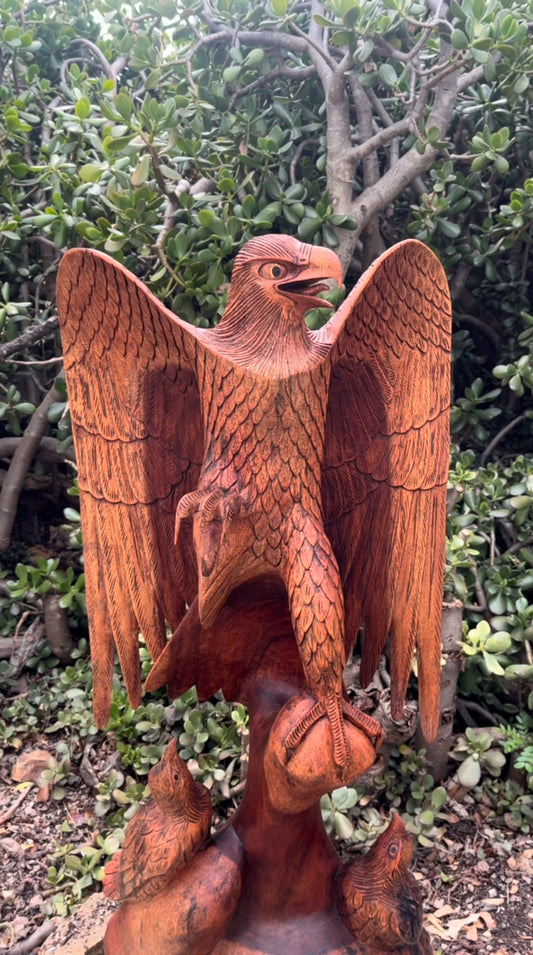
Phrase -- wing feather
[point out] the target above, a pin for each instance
(386, 463)
(131, 377)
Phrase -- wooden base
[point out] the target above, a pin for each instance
(264, 885)
(313, 935)
(314, 938)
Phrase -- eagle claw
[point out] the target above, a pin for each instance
(334, 709)
(207, 507)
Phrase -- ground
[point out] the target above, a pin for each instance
(477, 881)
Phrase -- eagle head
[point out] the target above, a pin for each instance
(284, 275)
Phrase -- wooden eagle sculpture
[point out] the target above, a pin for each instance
(210, 458)
(164, 835)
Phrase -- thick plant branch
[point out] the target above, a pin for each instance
(316, 32)
(111, 70)
(412, 164)
(20, 464)
(293, 73)
(443, 81)
(339, 169)
(269, 38)
(320, 50)
(58, 635)
(203, 185)
(374, 244)
(395, 54)
(298, 155)
(34, 940)
(36, 334)
(47, 450)
(501, 434)
(385, 136)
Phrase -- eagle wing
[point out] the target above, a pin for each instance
(386, 463)
(131, 377)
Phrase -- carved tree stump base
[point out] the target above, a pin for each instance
(314, 939)
(313, 935)
(265, 883)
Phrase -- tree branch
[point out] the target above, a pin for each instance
(269, 38)
(295, 73)
(111, 70)
(392, 131)
(35, 334)
(409, 166)
(373, 245)
(20, 464)
(47, 449)
(501, 434)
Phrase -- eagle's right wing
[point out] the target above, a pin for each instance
(131, 377)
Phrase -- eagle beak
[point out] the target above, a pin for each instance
(322, 267)
(326, 262)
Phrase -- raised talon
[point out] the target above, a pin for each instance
(212, 507)
(187, 507)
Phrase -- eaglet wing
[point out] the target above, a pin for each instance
(386, 463)
(130, 371)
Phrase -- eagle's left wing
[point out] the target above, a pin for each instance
(386, 462)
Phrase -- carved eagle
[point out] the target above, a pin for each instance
(209, 458)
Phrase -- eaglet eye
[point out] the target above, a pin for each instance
(273, 270)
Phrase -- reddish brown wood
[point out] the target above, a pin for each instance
(188, 916)
(378, 897)
(285, 877)
(164, 835)
(287, 486)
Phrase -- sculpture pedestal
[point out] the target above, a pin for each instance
(314, 935)
(265, 882)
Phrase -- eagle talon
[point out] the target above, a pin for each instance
(367, 724)
(187, 507)
(334, 710)
(208, 507)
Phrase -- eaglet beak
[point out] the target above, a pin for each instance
(323, 266)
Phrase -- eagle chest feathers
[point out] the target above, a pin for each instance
(264, 441)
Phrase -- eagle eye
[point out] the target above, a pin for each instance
(393, 850)
(273, 270)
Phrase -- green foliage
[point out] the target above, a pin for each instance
(14, 410)
(45, 576)
(335, 808)
(356, 814)
(57, 704)
(478, 751)
(76, 870)
(518, 739)
(490, 568)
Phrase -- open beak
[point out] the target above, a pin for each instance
(323, 267)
